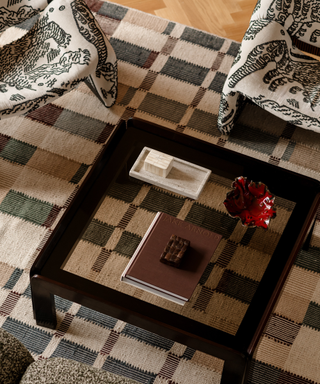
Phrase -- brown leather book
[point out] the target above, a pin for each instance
(146, 271)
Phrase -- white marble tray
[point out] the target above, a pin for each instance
(185, 178)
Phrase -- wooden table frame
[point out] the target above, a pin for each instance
(49, 279)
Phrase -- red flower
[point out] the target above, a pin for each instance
(251, 202)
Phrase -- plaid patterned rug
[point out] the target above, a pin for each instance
(172, 75)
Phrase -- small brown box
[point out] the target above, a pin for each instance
(174, 251)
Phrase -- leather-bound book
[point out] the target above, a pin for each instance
(146, 271)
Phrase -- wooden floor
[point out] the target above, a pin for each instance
(226, 18)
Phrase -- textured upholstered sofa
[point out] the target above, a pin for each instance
(18, 366)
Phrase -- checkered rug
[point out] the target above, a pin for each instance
(172, 75)
(232, 276)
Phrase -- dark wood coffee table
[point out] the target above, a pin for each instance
(48, 278)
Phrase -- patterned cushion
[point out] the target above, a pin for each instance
(14, 358)
(64, 371)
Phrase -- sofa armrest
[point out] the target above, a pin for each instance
(14, 358)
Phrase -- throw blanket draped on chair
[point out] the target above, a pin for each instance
(271, 71)
(64, 47)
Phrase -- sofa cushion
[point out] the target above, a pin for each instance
(64, 371)
(14, 358)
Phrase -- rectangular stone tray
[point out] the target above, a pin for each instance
(185, 178)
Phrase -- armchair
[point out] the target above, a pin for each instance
(64, 47)
(271, 68)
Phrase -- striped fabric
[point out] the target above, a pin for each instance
(172, 75)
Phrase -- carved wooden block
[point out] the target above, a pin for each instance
(174, 251)
(158, 163)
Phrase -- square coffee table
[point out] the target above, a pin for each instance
(234, 275)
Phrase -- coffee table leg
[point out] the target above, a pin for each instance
(235, 370)
(44, 310)
(307, 242)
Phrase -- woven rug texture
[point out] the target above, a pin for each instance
(172, 75)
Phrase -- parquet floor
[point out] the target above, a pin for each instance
(226, 18)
